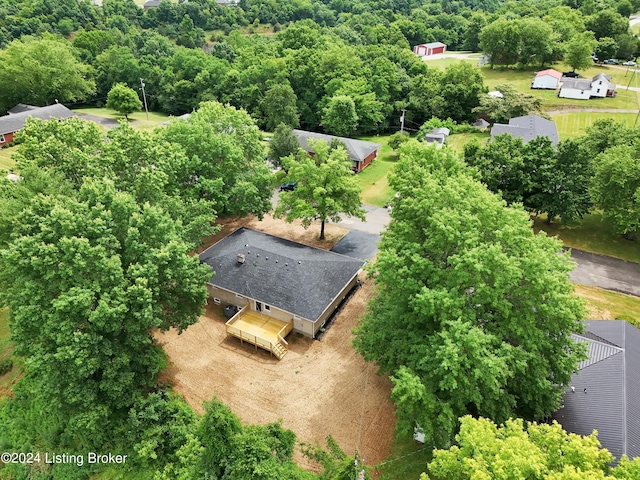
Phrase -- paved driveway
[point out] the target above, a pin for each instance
(357, 244)
(606, 272)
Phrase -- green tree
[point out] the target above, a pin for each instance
(616, 188)
(512, 104)
(537, 42)
(500, 41)
(123, 100)
(86, 280)
(474, 311)
(279, 106)
(41, 71)
(524, 450)
(283, 143)
(339, 116)
(607, 23)
(472, 35)
(579, 50)
(324, 189)
(225, 160)
(606, 48)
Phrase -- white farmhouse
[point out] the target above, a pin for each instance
(583, 89)
(601, 86)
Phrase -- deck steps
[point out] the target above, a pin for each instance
(279, 350)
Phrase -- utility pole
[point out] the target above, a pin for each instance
(144, 97)
(404, 110)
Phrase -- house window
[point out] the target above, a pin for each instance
(239, 296)
(216, 300)
(296, 318)
(267, 308)
(598, 91)
(2, 140)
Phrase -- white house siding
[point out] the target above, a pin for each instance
(545, 81)
(573, 93)
(599, 88)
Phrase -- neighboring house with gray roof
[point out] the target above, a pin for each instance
(527, 128)
(285, 280)
(360, 152)
(437, 136)
(22, 107)
(12, 123)
(151, 4)
(604, 394)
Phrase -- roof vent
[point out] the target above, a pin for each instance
(240, 258)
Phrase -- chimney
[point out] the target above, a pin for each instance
(240, 258)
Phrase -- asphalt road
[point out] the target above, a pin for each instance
(592, 269)
(606, 272)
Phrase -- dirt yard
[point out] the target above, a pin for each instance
(319, 388)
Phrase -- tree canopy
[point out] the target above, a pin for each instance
(123, 100)
(324, 187)
(41, 71)
(520, 449)
(474, 311)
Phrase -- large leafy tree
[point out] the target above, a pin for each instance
(474, 311)
(340, 116)
(225, 160)
(579, 50)
(279, 106)
(123, 100)
(41, 71)
(324, 188)
(283, 143)
(511, 104)
(525, 450)
(87, 279)
(616, 187)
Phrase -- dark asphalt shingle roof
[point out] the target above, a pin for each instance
(15, 121)
(527, 127)
(22, 107)
(611, 377)
(291, 276)
(357, 149)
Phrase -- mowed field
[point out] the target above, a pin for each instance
(574, 124)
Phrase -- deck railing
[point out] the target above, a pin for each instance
(254, 339)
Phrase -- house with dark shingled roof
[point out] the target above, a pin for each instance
(360, 152)
(279, 278)
(527, 128)
(604, 394)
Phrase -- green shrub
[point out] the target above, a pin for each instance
(6, 366)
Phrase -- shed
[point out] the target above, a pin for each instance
(481, 123)
(603, 394)
(432, 48)
(437, 136)
(151, 4)
(547, 79)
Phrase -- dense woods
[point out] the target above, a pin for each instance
(473, 311)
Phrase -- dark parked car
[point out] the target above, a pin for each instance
(571, 74)
(612, 61)
(288, 187)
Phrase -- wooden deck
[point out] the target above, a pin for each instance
(260, 330)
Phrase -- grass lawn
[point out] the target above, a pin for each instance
(457, 141)
(593, 234)
(445, 62)
(373, 179)
(574, 124)
(408, 460)
(6, 162)
(604, 304)
(154, 117)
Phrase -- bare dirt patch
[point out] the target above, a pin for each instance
(293, 231)
(319, 388)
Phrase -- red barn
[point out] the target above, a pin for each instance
(360, 152)
(430, 48)
(10, 124)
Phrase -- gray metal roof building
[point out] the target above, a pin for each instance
(604, 394)
(527, 128)
(13, 122)
(296, 278)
